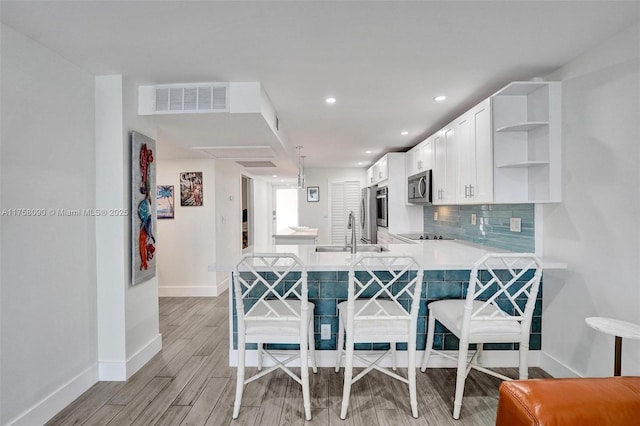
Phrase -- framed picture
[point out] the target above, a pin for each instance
(164, 200)
(313, 194)
(143, 208)
(190, 189)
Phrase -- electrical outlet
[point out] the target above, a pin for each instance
(473, 218)
(435, 215)
(325, 331)
(515, 224)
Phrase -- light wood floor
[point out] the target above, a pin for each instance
(190, 383)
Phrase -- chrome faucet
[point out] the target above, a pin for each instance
(352, 225)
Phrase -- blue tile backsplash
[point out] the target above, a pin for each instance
(491, 228)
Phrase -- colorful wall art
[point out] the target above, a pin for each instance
(191, 189)
(143, 208)
(164, 198)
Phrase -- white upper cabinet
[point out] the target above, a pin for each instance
(475, 160)
(445, 165)
(411, 160)
(383, 168)
(379, 172)
(506, 149)
(419, 158)
(371, 172)
(527, 143)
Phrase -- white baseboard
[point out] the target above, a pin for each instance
(52, 404)
(192, 290)
(140, 358)
(112, 371)
(328, 359)
(223, 285)
(554, 367)
(58, 399)
(120, 371)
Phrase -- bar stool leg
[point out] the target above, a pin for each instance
(617, 367)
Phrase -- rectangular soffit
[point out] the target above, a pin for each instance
(238, 152)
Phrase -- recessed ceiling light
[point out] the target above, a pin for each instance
(404, 133)
(274, 176)
(330, 100)
(368, 151)
(360, 163)
(440, 98)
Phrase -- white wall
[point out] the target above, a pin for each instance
(228, 216)
(57, 154)
(187, 244)
(111, 264)
(142, 313)
(128, 326)
(48, 271)
(316, 214)
(262, 212)
(595, 229)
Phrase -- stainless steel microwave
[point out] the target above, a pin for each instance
(419, 188)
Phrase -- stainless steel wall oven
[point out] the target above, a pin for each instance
(382, 207)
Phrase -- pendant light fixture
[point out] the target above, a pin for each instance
(300, 167)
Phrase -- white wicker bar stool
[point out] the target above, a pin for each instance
(501, 297)
(272, 307)
(382, 307)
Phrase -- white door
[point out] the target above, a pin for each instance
(344, 197)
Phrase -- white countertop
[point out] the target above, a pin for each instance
(432, 255)
(288, 232)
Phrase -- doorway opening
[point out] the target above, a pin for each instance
(247, 212)
(285, 211)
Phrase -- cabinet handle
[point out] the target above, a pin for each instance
(466, 191)
(471, 195)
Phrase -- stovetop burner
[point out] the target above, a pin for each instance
(418, 236)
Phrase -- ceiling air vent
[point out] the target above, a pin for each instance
(184, 98)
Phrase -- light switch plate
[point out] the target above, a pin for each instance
(325, 331)
(473, 218)
(435, 215)
(515, 224)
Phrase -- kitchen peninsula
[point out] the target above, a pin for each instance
(446, 265)
(296, 235)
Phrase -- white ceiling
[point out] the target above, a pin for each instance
(383, 61)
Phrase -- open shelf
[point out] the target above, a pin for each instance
(526, 141)
(523, 127)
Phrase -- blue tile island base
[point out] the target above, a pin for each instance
(328, 288)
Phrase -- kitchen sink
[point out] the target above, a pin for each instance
(359, 249)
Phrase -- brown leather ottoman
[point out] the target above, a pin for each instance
(581, 401)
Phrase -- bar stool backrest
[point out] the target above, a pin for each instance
(270, 286)
(396, 279)
(507, 281)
